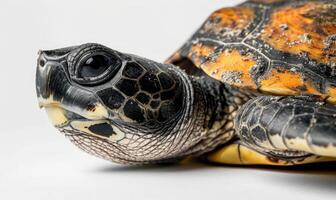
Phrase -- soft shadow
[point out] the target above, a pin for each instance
(327, 168)
(188, 165)
(322, 169)
(310, 182)
(319, 177)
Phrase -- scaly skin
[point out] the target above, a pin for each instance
(193, 119)
(288, 124)
(133, 110)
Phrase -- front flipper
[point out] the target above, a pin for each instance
(238, 153)
(288, 126)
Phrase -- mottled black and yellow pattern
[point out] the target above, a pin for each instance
(256, 84)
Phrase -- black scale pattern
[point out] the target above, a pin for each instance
(288, 117)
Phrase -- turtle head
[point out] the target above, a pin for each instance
(117, 106)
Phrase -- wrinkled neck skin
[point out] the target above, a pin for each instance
(203, 122)
(217, 104)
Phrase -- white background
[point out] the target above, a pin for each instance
(36, 162)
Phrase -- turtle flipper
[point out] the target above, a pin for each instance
(288, 126)
(238, 153)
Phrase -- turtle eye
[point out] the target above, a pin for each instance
(94, 69)
(94, 66)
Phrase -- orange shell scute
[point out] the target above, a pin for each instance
(199, 52)
(267, 1)
(227, 65)
(332, 94)
(228, 21)
(303, 30)
(286, 82)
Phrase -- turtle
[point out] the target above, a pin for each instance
(254, 85)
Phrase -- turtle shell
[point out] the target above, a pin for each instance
(271, 46)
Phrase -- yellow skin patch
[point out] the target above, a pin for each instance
(298, 144)
(327, 151)
(55, 109)
(303, 29)
(98, 112)
(56, 116)
(236, 154)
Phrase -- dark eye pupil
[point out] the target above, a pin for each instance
(94, 66)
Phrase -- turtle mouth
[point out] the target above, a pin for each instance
(55, 108)
(48, 102)
(90, 142)
(56, 114)
(59, 116)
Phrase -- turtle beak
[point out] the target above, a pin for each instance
(55, 90)
(42, 73)
(47, 61)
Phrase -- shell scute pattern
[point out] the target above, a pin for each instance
(277, 41)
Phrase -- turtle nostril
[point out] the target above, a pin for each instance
(42, 62)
